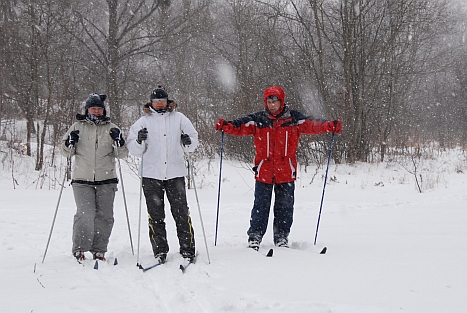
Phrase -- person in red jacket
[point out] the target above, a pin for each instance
(276, 131)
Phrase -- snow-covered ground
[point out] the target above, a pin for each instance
(390, 248)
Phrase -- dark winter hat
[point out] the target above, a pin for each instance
(273, 98)
(159, 93)
(95, 100)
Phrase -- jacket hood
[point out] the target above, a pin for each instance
(171, 105)
(274, 91)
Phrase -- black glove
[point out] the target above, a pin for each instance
(186, 140)
(72, 139)
(116, 135)
(142, 135)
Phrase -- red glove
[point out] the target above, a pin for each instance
(223, 125)
(333, 126)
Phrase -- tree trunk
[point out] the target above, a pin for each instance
(113, 64)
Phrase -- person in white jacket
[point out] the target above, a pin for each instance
(161, 137)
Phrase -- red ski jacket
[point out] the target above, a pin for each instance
(276, 141)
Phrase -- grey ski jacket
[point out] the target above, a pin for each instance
(94, 152)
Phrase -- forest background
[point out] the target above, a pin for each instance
(394, 71)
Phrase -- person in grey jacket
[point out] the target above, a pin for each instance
(166, 135)
(93, 141)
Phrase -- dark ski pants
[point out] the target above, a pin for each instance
(154, 191)
(283, 210)
(94, 218)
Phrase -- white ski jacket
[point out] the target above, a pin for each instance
(163, 156)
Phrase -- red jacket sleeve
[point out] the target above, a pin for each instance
(243, 126)
(312, 127)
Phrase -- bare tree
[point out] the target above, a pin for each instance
(392, 70)
(117, 33)
(363, 56)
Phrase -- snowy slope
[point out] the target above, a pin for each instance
(390, 248)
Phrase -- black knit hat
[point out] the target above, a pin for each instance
(159, 93)
(95, 100)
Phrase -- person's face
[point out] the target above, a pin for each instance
(273, 105)
(159, 103)
(96, 111)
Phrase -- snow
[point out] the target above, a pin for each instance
(390, 248)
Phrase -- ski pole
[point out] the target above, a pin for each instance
(124, 200)
(143, 148)
(190, 168)
(219, 190)
(56, 209)
(324, 187)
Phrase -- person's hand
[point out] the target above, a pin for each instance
(223, 125)
(186, 140)
(72, 139)
(142, 135)
(220, 123)
(337, 126)
(116, 136)
(333, 126)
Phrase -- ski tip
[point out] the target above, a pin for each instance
(325, 249)
(115, 261)
(96, 265)
(270, 253)
(139, 266)
(182, 268)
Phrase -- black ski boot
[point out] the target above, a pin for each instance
(79, 256)
(253, 243)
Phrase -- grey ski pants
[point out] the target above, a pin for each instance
(94, 218)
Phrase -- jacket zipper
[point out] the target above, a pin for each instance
(267, 147)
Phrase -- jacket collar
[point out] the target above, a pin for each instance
(285, 113)
(85, 119)
(154, 112)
